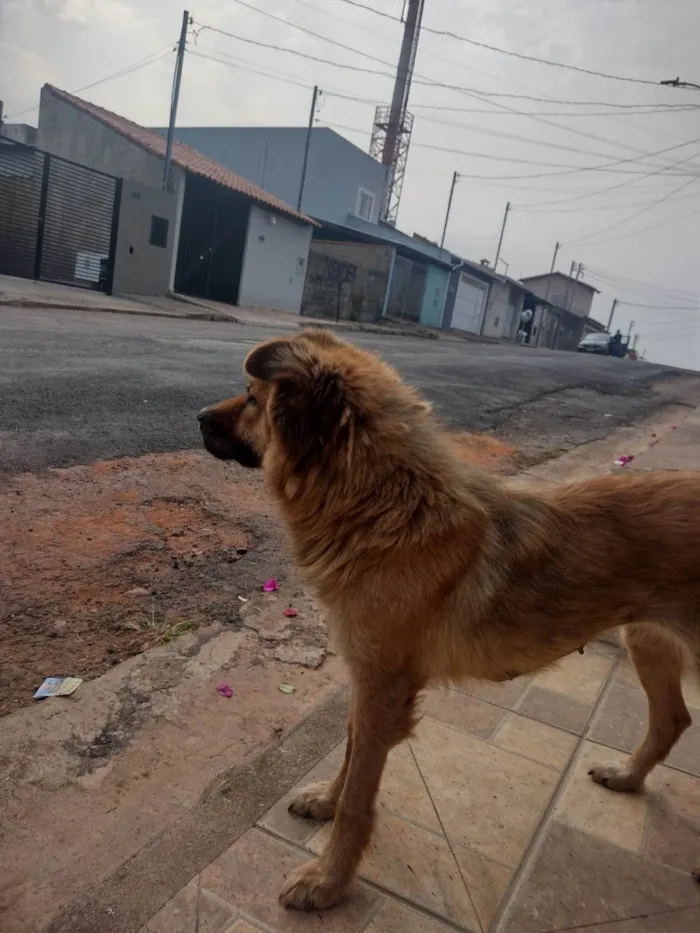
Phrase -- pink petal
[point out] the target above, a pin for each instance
(269, 586)
(224, 690)
(290, 613)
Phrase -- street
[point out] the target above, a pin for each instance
(79, 387)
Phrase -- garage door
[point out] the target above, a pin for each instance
(469, 305)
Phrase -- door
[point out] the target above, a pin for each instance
(470, 303)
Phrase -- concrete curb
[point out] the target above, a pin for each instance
(138, 312)
(236, 800)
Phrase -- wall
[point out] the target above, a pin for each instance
(503, 311)
(68, 132)
(141, 268)
(275, 260)
(434, 296)
(20, 191)
(272, 157)
(364, 298)
(565, 292)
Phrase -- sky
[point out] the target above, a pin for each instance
(635, 225)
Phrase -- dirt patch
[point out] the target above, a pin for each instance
(98, 563)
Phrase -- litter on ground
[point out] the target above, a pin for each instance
(58, 687)
(286, 688)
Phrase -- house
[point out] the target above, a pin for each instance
(359, 268)
(562, 326)
(341, 179)
(564, 291)
(234, 241)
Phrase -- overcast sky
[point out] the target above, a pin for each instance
(649, 259)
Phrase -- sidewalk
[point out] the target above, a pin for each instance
(487, 820)
(16, 292)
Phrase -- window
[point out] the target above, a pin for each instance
(365, 204)
(159, 232)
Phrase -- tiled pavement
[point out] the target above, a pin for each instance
(489, 823)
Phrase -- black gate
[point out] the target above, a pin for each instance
(58, 220)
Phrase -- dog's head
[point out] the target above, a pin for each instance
(304, 393)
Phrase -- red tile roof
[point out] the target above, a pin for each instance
(185, 157)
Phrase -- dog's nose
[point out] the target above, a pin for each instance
(204, 415)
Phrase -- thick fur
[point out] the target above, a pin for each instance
(432, 572)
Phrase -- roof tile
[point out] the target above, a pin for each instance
(185, 157)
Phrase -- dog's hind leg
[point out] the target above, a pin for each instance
(658, 659)
(383, 714)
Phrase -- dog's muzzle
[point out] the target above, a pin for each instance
(222, 445)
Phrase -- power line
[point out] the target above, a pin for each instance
(654, 226)
(418, 79)
(566, 170)
(636, 214)
(530, 58)
(129, 69)
(639, 110)
(593, 270)
(621, 184)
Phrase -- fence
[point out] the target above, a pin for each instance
(58, 220)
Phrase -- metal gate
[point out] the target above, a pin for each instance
(58, 220)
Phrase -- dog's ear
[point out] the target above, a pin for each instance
(311, 402)
(279, 360)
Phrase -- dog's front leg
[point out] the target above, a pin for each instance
(319, 801)
(382, 716)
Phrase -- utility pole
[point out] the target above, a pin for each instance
(551, 273)
(402, 83)
(567, 303)
(612, 314)
(312, 116)
(634, 341)
(629, 332)
(503, 230)
(455, 179)
(579, 271)
(177, 80)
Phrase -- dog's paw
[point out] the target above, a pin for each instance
(616, 777)
(308, 889)
(313, 803)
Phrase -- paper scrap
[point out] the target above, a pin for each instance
(58, 687)
(286, 688)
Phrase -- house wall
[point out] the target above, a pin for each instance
(503, 312)
(140, 267)
(434, 296)
(567, 293)
(66, 131)
(274, 263)
(364, 298)
(272, 157)
(471, 270)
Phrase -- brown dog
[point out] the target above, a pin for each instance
(432, 572)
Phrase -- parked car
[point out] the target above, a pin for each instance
(595, 343)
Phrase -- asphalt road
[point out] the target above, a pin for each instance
(81, 386)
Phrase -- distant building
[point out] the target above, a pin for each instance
(564, 291)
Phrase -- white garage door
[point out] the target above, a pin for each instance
(469, 305)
